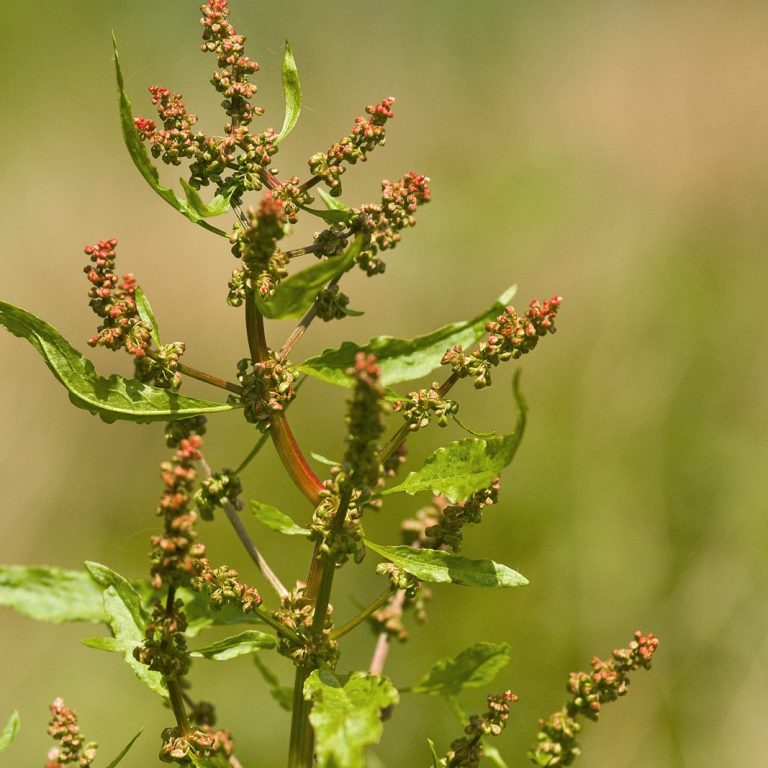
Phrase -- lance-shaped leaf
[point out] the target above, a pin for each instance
(106, 577)
(296, 294)
(273, 518)
(51, 594)
(127, 634)
(444, 567)
(141, 160)
(124, 751)
(475, 666)
(493, 755)
(336, 212)
(144, 309)
(437, 762)
(243, 644)
(463, 467)
(346, 715)
(10, 730)
(219, 205)
(282, 694)
(403, 359)
(291, 91)
(110, 398)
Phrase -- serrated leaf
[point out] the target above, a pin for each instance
(296, 294)
(291, 91)
(51, 594)
(141, 160)
(110, 398)
(475, 666)
(106, 577)
(403, 359)
(273, 518)
(243, 644)
(346, 715)
(463, 467)
(144, 309)
(126, 635)
(219, 205)
(437, 761)
(10, 730)
(437, 566)
(124, 750)
(282, 694)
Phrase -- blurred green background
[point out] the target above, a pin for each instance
(613, 152)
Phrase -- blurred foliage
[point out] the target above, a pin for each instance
(613, 152)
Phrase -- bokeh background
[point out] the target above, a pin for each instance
(613, 152)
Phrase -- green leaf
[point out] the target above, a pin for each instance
(51, 594)
(112, 398)
(324, 460)
(144, 309)
(292, 93)
(201, 616)
(296, 294)
(461, 468)
(10, 730)
(219, 204)
(403, 359)
(127, 634)
(106, 577)
(346, 715)
(124, 751)
(336, 213)
(475, 666)
(437, 762)
(141, 160)
(243, 644)
(273, 518)
(444, 567)
(494, 755)
(332, 203)
(282, 694)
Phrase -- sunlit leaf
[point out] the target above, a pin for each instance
(475, 666)
(461, 468)
(11, 728)
(144, 309)
(245, 643)
(124, 751)
(273, 518)
(438, 566)
(346, 715)
(296, 294)
(130, 596)
(291, 91)
(219, 205)
(141, 160)
(403, 359)
(110, 398)
(51, 594)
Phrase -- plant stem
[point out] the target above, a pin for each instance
(301, 747)
(285, 443)
(210, 379)
(174, 688)
(309, 183)
(363, 615)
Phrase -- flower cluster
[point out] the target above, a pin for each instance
(112, 299)
(389, 618)
(382, 224)
(365, 425)
(467, 751)
(331, 304)
(296, 614)
(421, 406)
(162, 367)
(368, 133)
(72, 748)
(202, 743)
(268, 386)
(241, 155)
(223, 588)
(264, 264)
(556, 741)
(164, 649)
(213, 491)
(510, 336)
(175, 552)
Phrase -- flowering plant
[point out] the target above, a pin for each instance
(153, 623)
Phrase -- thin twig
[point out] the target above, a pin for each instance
(363, 615)
(210, 379)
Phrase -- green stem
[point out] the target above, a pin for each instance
(355, 621)
(302, 744)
